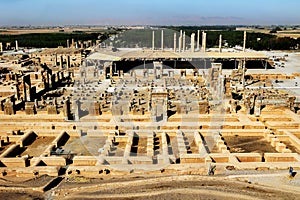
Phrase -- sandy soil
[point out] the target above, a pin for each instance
(181, 187)
(118, 149)
(38, 146)
(228, 185)
(85, 146)
(248, 144)
(21, 195)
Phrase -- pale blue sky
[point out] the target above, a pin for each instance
(156, 12)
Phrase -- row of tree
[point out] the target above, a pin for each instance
(256, 41)
(142, 38)
(50, 40)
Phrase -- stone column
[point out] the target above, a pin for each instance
(153, 40)
(203, 41)
(77, 110)
(73, 43)
(17, 90)
(68, 43)
(175, 42)
(198, 40)
(162, 40)
(61, 62)
(220, 44)
(180, 41)
(183, 43)
(1, 47)
(110, 71)
(26, 88)
(257, 108)
(193, 42)
(9, 107)
(55, 60)
(17, 46)
(68, 62)
(243, 78)
(67, 109)
(244, 44)
(94, 109)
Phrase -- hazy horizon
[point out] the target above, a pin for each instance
(155, 12)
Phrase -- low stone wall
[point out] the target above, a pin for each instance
(55, 133)
(26, 139)
(30, 171)
(60, 139)
(248, 157)
(282, 125)
(141, 160)
(49, 161)
(272, 76)
(192, 158)
(12, 138)
(94, 171)
(11, 150)
(48, 151)
(13, 162)
(84, 161)
(281, 157)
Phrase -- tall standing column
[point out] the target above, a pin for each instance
(162, 40)
(193, 42)
(183, 43)
(245, 38)
(243, 68)
(73, 43)
(68, 43)
(220, 44)
(77, 110)
(198, 40)
(180, 41)
(68, 62)
(55, 60)
(1, 47)
(61, 62)
(153, 40)
(17, 46)
(203, 41)
(175, 42)
(110, 71)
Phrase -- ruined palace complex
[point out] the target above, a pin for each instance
(97, 110)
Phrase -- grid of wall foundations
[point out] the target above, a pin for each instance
(265, 142)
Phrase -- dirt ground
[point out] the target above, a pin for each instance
(85, 146)
(21, 195)
(248, 144)
(38, 146)
(178, 187)
(118, 149)
(228, 185)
